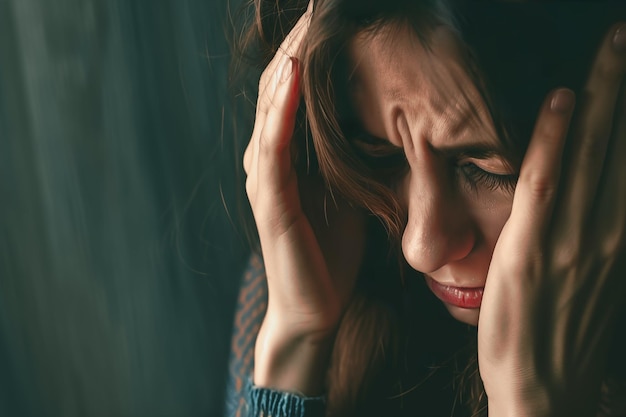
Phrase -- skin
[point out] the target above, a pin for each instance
(452, 226)
(547, 314)
(302, 313)
(547, 255)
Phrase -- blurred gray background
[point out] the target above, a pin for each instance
(119, 261)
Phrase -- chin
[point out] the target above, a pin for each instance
(464, 315)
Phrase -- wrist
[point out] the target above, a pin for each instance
(539, 402)
(510, 406)
(290, 361)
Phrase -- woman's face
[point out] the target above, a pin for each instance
(458, 188)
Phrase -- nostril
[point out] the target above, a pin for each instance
(427, 249)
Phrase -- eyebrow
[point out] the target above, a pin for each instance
(462, 121)
(469, 151)
(461, 151)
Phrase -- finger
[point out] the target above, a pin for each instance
(274, 158)
(609, 224)
(268, 83)
(291, 45)
(592, 129)
(290, 48)
(539, 175)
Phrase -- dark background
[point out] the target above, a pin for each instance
(118, 258)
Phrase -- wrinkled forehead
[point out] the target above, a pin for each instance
(394, 69)
(520, 51)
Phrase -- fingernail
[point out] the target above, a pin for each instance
(562, 101)
(619, 39)
(286, 69)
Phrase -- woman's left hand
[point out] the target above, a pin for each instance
(557, 275)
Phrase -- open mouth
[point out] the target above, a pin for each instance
(463, 297)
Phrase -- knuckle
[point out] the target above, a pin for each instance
(593, 146)
(541, 188)
(567, 255)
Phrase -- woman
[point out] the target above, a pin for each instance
(408, 128)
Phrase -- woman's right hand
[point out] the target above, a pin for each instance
(310, 261)
(556, 278)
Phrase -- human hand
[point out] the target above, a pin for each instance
(311, 260)
(554, 281)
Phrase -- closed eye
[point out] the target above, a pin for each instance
(478, 177)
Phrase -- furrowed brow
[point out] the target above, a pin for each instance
(469, 151)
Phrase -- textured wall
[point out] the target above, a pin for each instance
(118, 261)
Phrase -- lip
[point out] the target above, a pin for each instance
(464, 297)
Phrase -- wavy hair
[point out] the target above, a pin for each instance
(371, 347)
(370, 339)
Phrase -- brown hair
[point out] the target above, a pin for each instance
(367, 346)
(371, 346)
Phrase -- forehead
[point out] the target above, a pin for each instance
(392, 70)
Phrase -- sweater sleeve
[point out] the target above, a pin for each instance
(243, 399)
(264, 402)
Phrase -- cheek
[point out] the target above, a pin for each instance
(491, 213)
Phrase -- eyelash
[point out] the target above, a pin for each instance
(476, 176)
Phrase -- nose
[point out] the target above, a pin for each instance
(439, 227)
